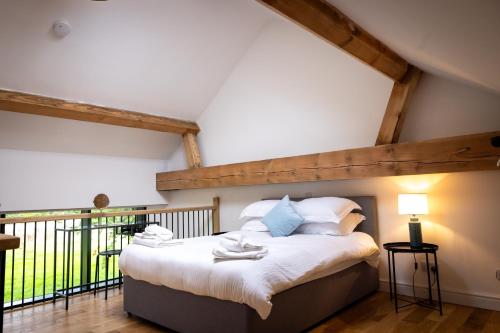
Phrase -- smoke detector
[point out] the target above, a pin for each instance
(61, 28)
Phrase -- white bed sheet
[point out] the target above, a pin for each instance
(291, 261)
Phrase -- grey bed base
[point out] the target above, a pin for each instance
(294, 310)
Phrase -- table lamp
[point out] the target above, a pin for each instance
(413, 204)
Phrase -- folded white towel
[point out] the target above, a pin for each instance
(238, 243)
(222, 253)
(149, 236)
(157, 230)
(154, 242)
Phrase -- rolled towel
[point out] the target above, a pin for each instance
(239, 243)
(155, 243)
(157, 230)
(222, 253)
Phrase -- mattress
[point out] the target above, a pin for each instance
(291, 261)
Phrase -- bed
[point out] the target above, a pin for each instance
(295, 305)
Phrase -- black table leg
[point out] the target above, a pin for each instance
(395, 288)
(428, 277)
(96, 278)
(438, 287)
(2, 286)
(390, 274)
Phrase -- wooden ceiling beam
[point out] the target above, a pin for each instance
(192, 150)
(455, 154)
(326, 21)
(397, 107)
(52, 107)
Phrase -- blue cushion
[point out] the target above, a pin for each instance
(282, 220)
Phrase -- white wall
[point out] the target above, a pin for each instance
(31, 180)
(443, 108)
(293, 94)
(37, 133)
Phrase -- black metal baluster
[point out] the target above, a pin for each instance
(44, 258)
(188, 223)
(70, 233)
(73, 260)
(82, 232)
(114, 248)
(121, 235)
(64, 255)
(98, 266)
(34, 265)
(129, 234)
(12, 274)
(106, 235)
(177, 222)
(24, 263)
(54, 282)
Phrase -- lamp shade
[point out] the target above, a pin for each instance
(413, 204)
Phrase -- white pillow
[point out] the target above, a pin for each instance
(326, 209)
(345, 227)
(254, 225)
(258, 209)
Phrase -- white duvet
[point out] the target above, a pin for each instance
(291, 261)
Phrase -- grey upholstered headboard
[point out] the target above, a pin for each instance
(369, 209)
(369, 205)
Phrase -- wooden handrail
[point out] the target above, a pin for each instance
(12, 220)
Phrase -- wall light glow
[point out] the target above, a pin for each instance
(419, 183)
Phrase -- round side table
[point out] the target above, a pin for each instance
(404, 247)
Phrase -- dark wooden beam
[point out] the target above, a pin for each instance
(395, 113)
(455, 154)
(52, 107)
(326, 21)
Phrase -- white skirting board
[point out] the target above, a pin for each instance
(448, 296)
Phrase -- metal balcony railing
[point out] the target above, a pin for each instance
(36, 271)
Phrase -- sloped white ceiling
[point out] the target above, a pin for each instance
(171, 57)
(458, 39)
(166, 57)
(158, 56)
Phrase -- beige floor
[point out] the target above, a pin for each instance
(374, 314)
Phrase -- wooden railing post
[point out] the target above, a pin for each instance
(216, 214)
